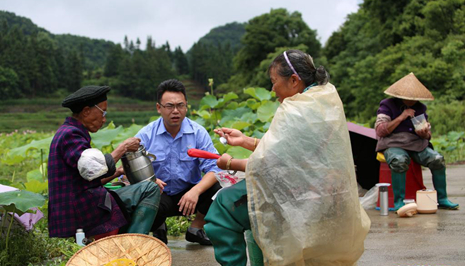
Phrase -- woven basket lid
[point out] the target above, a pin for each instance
(144, 250)
(409, 88)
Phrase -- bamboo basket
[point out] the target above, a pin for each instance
(142, 250)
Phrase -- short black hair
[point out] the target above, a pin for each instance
(172, 85)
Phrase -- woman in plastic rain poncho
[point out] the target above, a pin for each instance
(299, 197)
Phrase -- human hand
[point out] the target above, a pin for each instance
(132, 144)
(407, 113)
(119, 171)
(424, 133)
(233, 136)
(125, 180)
(223, 161)
(188, 202)
(160, 184)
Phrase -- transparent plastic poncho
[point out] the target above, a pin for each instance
(302, 190)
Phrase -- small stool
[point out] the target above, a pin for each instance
(413, 181)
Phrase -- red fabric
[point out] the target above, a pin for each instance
(112, 233)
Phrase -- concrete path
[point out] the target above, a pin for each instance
(422, 240)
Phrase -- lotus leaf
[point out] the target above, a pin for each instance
(20, 201)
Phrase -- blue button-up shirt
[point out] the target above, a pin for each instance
(177, 169)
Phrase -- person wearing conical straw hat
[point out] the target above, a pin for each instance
(401, 140)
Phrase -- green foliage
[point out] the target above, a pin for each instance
(386, 40)
(36, 248)
(446, 115)
(20, 201)
(139, 72)
(264, 34)
(252, 116)
(177, 225)
(230, 33)
(17, 202)
(34, 64)
(212, 55)
(8, 83)
(452, 146)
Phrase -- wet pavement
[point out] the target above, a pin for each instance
(422, 240)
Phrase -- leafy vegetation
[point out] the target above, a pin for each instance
(386, 40)
(265, 34)
(24, 157)
(379, 44)
(212, 55)
(94, 52)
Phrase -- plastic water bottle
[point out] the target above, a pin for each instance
(80, 237)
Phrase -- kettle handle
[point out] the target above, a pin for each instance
(152, 157)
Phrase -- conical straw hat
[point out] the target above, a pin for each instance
(124, 249)
(409, 88)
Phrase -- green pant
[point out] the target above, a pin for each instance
(399, 159)
(227, 220)
(140, 202)
(144, 193)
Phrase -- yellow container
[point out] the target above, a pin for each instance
(427, 201)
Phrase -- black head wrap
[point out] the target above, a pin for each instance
(85, 96)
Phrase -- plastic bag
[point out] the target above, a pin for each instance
(301, 185)
(225, 179)
(370, 198)
(92, 164)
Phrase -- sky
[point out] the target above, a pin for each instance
(180, 22)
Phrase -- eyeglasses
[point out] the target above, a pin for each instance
(104, 112)
(171, 107)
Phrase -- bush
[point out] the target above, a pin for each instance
(446, 115)
(35, 247)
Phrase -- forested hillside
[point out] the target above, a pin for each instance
(212, 55)
(94, 52)
(36, 63)
(386, 40)
(379, 44)
(266, 36)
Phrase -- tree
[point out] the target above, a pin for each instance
(8, 84)
(386, 40)
(74, 70)
(45, 80)
(265, 33)
(180, 61)
(115, 56)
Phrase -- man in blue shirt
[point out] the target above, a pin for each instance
(184, 190)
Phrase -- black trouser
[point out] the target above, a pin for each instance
(169, 205)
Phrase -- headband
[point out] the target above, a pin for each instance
(289, 63)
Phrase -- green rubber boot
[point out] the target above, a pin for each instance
(398, 187)
(142, 220)
(439, 182)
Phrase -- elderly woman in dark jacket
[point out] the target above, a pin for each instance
(77, 173)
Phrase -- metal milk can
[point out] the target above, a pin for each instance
(138, 165)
